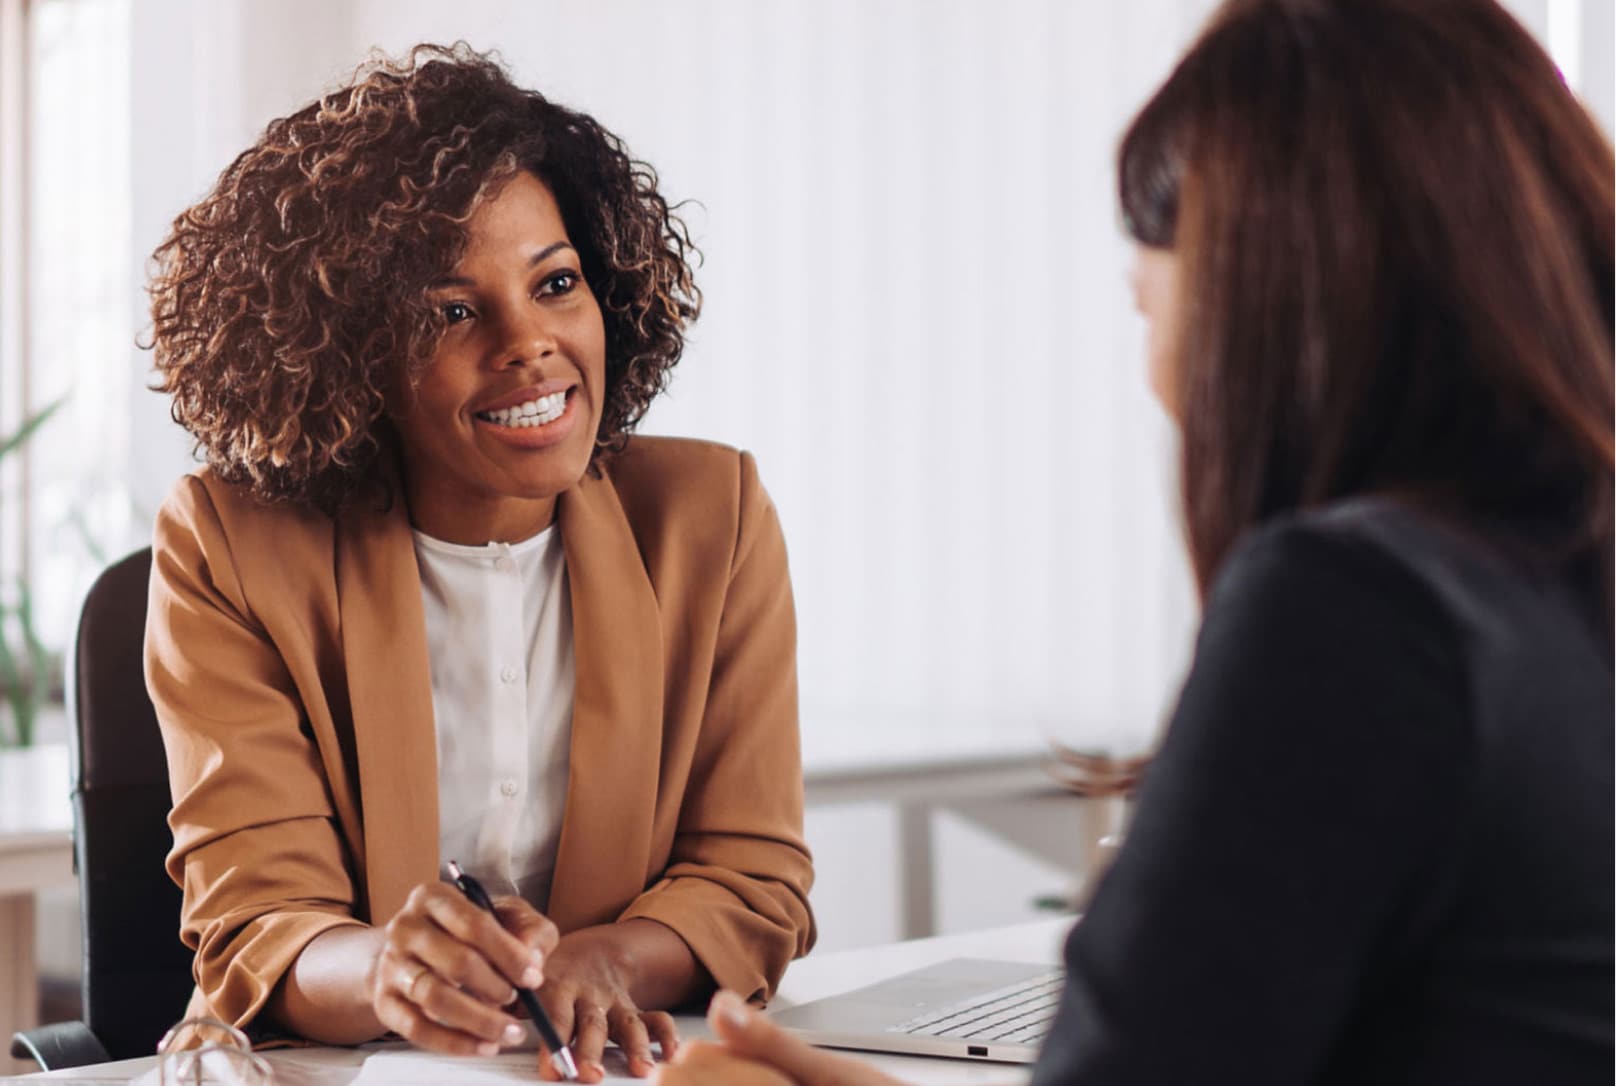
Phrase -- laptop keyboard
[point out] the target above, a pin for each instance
(1017, 1014)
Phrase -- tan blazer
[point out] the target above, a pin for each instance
(286, 655)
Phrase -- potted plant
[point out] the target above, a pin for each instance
(28, 670)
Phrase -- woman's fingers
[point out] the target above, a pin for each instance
(408, 1023)
(527, 924)
(417, 1004)
(448, 968)
(461, 963)
(519, 963)
(443, 1004)
(664, 1031)
(590, 1031)
(626, 1026)
(748, 1034)
(587, 996)
(702, 1063)
(559, 1006)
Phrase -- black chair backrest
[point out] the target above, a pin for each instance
(137, 973)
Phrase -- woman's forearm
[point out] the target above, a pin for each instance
(325, 995)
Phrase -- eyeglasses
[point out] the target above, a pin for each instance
(206, 1050)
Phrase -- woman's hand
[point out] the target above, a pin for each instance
(595, 986)
(446, 970)
(755, 1052)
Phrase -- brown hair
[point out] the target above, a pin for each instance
(292, 301)
(1393, 223)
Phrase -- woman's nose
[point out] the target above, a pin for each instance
(527, 337)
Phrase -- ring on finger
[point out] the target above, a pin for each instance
(415, 974)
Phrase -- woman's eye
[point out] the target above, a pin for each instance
(455, 312)
(559, 283)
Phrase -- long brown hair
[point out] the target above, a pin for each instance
(1394, 230)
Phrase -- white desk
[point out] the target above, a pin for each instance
(812, 978)
(36, 852)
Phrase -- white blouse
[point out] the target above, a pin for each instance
(499, 639)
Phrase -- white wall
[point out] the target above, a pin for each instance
(1597, 85)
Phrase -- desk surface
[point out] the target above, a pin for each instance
(809, 979)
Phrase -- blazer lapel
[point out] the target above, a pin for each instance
(603, 857)
(390, 692)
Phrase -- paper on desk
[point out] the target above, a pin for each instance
(417, 1068)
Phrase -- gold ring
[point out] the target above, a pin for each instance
(415, 978)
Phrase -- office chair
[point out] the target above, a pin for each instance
(137, 973)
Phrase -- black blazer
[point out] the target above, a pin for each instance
(1377, 844)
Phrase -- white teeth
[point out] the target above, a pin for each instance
(533, 413)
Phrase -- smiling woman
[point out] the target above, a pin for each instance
(429, 601)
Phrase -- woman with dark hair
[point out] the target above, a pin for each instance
(429, 601)
(1376, 845)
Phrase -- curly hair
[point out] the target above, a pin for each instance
(290, 302)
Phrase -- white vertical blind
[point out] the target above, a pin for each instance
(80, 325)
(13, 285)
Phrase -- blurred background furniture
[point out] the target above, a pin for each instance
(999, 779)
(1108, 782)
(972, 784)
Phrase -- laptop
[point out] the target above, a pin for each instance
(966, 1008)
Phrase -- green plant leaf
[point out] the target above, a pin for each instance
(12, 689)
(15, 441)
(24, 684)
(39, 679)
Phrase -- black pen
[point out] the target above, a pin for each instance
(560, 1055)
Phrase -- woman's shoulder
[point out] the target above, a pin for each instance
(211, 517)
(1376, 576)
(203, 493)
(1362, 565)
(701, 500)
(654, 462)
(1316, 628)
(1440, 568)
(672, 479)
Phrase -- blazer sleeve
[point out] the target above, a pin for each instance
(736, 885)
(256, 852)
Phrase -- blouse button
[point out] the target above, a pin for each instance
(507, 674)
(507, 788)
